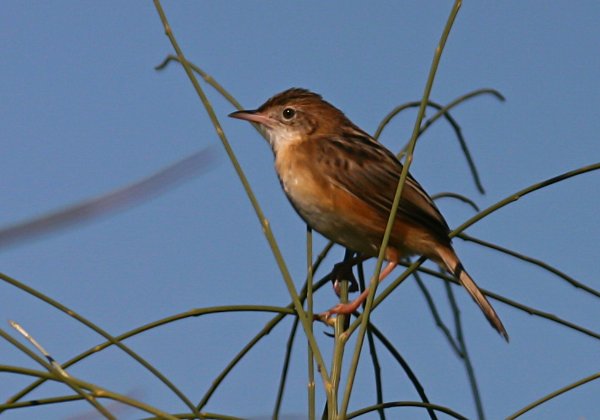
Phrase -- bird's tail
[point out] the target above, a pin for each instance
(454, 266)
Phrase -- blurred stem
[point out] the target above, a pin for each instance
(111, 202)
(553, 395)
(411, 147)
(306, 323)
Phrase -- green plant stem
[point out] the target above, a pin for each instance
(98, 330)
(95, 391)
(553, 395)
(219, 88)
(338, 353)
(59, 375)
(71, 398)
(247, 347)
(309, 313)
(207, 78)
(267, 329)
(375, 280)
(306, 323)
(41, 401)
(442, 111)
(372, 349)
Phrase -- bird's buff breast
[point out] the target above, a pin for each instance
(318, 203)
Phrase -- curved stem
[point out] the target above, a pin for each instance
(112, 340)
(436, 407)
(95, 390)
(553, 395)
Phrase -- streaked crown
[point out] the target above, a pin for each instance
(298, 114)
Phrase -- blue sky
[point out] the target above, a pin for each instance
(83, 112)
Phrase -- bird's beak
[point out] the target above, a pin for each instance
(253, 116)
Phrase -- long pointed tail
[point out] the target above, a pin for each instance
(454, 266)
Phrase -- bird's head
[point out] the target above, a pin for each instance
(294, 115)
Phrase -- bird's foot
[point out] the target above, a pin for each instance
(343, 271)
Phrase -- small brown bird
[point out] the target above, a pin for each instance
(342, 182)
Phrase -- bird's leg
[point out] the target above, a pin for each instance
(343, 271)
(348, 308)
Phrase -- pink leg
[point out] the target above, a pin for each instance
(348, 308)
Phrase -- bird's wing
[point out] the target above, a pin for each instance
(371, 173)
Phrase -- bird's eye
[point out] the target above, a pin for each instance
(288, 113)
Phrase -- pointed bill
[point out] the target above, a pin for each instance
(253, 116)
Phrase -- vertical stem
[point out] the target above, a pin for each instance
(338, 352)
(309, 314)
(409, 156)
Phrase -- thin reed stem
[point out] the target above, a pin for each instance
(306, 323)
(375, 280)
(553, 395)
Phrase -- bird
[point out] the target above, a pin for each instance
(342, 182)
